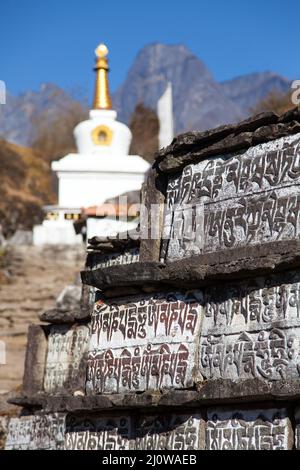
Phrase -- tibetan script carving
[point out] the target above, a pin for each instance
(251, 329)
(253, 304)
(151, 432)
(145, 342)
(100, 261)
(169, 432)
(46, 432)
(98, 433)
(156, 316)
(232, 201)
(248, 430)
(267, 355)
(136, 368)
(66, 347)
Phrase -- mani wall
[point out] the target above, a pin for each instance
(190, 339)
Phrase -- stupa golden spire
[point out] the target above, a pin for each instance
(102, 98)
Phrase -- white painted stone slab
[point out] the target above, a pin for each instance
(105, 433)
(253, 305)
(248, 430)
(251, 329)
(66, 346)
(240, 200)
(145, 342)
(147, 432)
(36, 432)
(115, 259)
(170, 432)
(132, 369)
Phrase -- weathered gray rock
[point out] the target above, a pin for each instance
(76, 305)
(123, 241)
(57, 316)
(69, 298)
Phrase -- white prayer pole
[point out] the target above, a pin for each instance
(165, 117)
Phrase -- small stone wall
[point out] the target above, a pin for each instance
(184, 342)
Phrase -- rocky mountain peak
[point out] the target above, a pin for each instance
(199, 101)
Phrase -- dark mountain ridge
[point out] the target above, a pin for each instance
(199, 101)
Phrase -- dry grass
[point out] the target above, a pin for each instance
(275, 101)
(25, 186)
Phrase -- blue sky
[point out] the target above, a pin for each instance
(53, 41)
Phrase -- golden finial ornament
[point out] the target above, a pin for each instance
(102, 98)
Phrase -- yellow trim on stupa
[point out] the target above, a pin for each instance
(102, 135)
(102, 98)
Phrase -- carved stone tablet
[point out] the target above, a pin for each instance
(46, 432)
(234, 200)
(170, 432)
(248, 430)
(251, 329)
(100, 261)
(66, 346)
(145, 342)
(98, 433)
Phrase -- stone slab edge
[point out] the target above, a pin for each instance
(199, 271)
(212, 392)
(193, 147)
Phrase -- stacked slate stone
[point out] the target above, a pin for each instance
(197, 344)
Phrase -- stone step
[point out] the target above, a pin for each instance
(37, 276)
(25, 306)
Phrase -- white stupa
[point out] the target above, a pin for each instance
(101, 169)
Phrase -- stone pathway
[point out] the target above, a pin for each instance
(38, 276)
